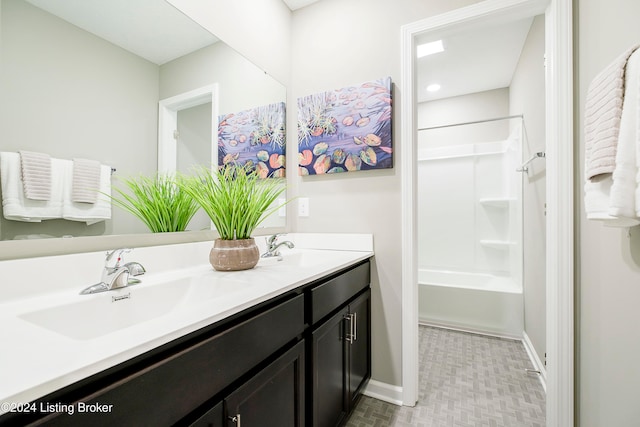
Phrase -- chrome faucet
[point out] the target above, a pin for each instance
(273, 246)
(115, 275)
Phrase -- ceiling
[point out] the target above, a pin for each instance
(168, 35)
(298, 4)
(473, 61)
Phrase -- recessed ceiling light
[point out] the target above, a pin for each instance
(429, 48)
(433, 87)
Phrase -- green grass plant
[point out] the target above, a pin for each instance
(157, 201)
(234, 197)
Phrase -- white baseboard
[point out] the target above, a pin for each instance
(385, 392)
(537, 363)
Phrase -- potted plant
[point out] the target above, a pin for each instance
(157, 201)
(236, 200)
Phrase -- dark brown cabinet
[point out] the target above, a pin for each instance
(341, 350)
(299, 359)
(274, 397)
(329, 400)
(358, 350)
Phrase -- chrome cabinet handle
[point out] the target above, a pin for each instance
(355, 326)
(235, 420)
(350, 335)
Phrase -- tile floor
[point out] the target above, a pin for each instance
(465, 380)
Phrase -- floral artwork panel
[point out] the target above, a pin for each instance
(346, 130)
(254, 137)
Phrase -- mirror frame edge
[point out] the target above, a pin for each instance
(36, 248)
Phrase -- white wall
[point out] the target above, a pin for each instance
(489, 104)
(608, 270)
(242, 85)
(527, 98)
(337, 43)
(259, 30)
(49, 99)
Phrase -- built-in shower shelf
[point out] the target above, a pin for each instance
(497, 202)
(497, 244)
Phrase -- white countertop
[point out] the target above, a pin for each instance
(36, 360)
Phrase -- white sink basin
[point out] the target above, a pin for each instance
(100, 314)
(92, 316)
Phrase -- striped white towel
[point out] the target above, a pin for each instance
(603, 110)
(36, 175)
(85, 181)
(15, 206)
(90, 213)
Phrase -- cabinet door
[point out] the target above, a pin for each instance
(213, 418)
(329, 397)
(359, 345)
(272, 398)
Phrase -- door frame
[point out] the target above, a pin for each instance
(559, 190)
(168, 123)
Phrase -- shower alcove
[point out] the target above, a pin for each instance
(470, 227)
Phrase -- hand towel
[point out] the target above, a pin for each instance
(603, 111)
(622, 202)
(86, 212)
(15, 205)
(36, 175)
(85, 181)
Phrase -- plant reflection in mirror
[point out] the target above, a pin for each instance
(157, 201)
(236, 199)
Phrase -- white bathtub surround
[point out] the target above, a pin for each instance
(470, 230)
(42, 358)
(480, 303)
(469, 204)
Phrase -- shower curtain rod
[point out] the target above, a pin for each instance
(474, 122)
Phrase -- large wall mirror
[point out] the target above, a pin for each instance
(84, 78)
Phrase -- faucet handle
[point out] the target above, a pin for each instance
(135, 268)
(272, 239)
(114, 258)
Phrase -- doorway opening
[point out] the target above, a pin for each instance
(559, 188)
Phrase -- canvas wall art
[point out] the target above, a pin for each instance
(254, 137)
(346, 130)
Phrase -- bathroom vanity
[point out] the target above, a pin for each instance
(297, 353)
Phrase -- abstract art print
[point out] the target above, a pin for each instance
(346, 130)
(256, 138)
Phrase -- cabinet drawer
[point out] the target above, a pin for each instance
(165, 392)
(330, 295)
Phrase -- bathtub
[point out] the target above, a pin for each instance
(475, 302)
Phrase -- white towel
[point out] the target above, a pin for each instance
(85, 181)
(603, 111)
(85, 212)
(597, 199)
(15, 205)
(612, 197)
(622, 204)
(36, 175)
